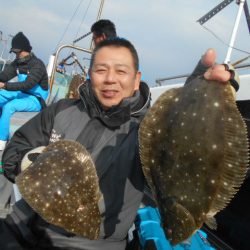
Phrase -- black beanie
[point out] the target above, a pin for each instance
(20, 43)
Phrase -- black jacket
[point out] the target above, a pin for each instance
(111, 138)
(30, 65)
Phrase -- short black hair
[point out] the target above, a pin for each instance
(105, 27)
(117, 42)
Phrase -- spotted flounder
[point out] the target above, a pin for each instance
(194, 152)
(62, 186)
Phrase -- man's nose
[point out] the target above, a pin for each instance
(110, 76)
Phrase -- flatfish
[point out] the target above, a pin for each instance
(194, 153)
(61, 185)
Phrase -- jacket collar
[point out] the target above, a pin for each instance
(25, 59)
(135, 106)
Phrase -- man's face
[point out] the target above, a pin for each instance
(20, 54)
(98, 38)
(17, 53)
(113, 75)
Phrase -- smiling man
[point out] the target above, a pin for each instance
(105, 120)
(114, 74)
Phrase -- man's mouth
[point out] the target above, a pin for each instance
(109, 93)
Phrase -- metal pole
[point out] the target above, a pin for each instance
(51, 80)
(98, 18)
(236, 25)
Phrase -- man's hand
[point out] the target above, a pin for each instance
(216, 71)
(31, 156)
(2, 85)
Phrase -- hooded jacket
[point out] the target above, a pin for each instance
(111, 137)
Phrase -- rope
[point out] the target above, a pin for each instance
(240, 61)
(77, 8)
(81, 37)
(219, 39)
(84, 16)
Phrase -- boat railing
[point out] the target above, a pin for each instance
(2, 64)
(181, 78)
(54, 63)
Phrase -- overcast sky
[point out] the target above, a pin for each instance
(168, 39)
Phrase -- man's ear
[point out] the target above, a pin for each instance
(104, 37)
(137, 80)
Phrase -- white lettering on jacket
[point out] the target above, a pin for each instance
(54, 136)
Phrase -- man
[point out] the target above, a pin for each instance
(103, 29)
(29, 92)
(106, 121)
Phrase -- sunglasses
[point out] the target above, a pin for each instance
(16, 51)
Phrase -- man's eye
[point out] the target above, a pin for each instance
(100, 70)
(122, 72)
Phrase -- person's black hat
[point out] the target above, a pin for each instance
(20, 43)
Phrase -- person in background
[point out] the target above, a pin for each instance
(103, 29)
(28, 92)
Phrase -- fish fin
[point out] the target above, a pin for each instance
(178, 222)
(211, 222)
(236, 155)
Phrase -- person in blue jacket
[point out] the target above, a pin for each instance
(28, 92)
